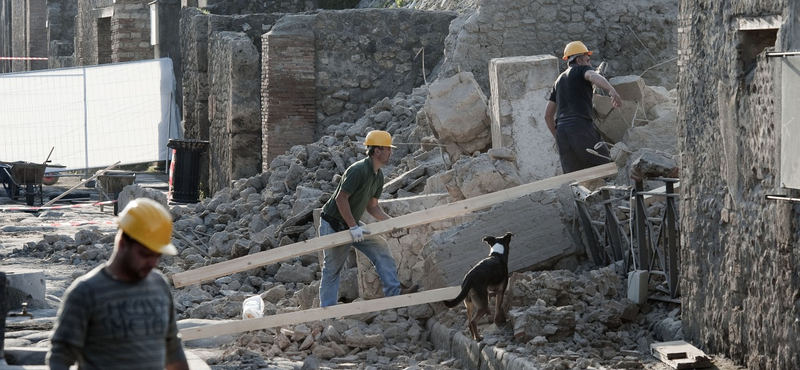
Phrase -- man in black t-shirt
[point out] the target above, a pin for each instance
(569, 114)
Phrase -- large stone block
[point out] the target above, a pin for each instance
(628, 87)
(27, 286)
(541, 239)
(520, 86)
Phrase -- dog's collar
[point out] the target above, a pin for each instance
(498, 248)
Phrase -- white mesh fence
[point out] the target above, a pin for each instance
(91, 116)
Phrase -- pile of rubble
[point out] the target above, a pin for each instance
(559, 319)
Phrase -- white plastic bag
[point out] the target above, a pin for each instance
(253, 307)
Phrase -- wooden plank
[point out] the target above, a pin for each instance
(314, 314)
(680, 355)
(401, 222)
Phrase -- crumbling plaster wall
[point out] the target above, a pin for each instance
(631, 35)
(739, 280)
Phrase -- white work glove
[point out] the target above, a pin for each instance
(357, 232)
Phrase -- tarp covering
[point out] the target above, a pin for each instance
(90, 116)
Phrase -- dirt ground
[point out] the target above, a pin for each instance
(18, 227)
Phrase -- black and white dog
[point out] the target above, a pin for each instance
(489, 275)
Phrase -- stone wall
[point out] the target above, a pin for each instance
(36, 29)
(194, 83)
(373, 57)
(61, 33)
(364, 56)
(112, 31)
(633, 36)
(196, 29)
(23, 34)
(231, 7)
(739, 280)
(86, 51)
(234, 108)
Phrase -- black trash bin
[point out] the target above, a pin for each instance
(185, 169)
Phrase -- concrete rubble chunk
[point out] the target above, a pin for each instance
(628, 87)
(647, 163)
(473, 176)
(365, 341)
(456, 111)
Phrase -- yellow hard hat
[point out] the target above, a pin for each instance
(378, 138)
(575, 47)
(150, 224)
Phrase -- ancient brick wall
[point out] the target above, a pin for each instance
(739, 280)
(288, 87)
(86, 43)
(112, 31)
(130, 30)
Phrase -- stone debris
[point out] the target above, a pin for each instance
(557, 319)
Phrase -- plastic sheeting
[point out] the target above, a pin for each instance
(90, 116)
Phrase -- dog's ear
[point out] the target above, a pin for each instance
(508, 235)
(489, 240)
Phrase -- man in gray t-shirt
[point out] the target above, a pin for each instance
(121, 314)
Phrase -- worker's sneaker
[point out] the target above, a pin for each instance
(412, 289)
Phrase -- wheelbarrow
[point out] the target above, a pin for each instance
(27, 176)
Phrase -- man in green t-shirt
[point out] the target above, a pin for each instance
(121, 314)
(359, 191)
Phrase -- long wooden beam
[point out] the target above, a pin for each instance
(409, 220)
(314, 314)
(98, 173)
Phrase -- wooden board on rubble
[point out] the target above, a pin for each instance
(314, 314)
(401, 222)
(680, 355)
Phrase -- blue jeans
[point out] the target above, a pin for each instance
(374, 247)
(573, 137)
